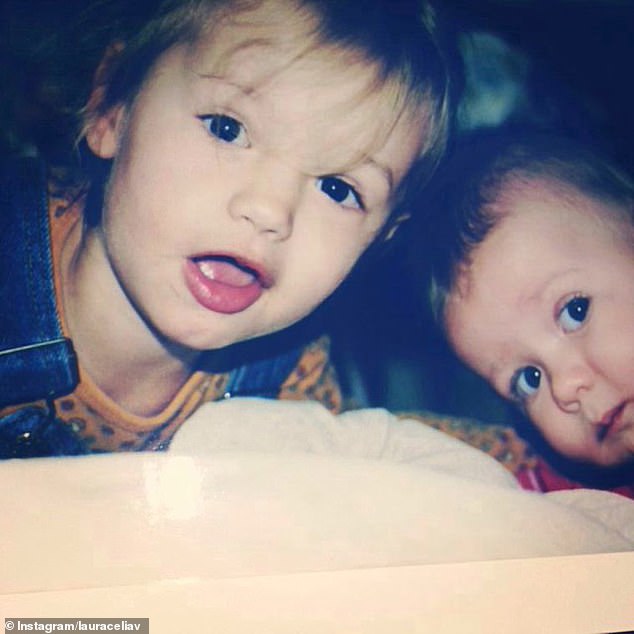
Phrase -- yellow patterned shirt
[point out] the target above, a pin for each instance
(499, 441)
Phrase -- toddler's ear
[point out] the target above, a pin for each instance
(102, 132)
(101, 128)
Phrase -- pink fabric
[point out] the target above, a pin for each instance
(544, 478)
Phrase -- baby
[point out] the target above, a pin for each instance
(533, 283)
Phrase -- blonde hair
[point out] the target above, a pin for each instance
(400, 38)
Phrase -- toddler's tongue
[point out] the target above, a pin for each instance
(225, 272)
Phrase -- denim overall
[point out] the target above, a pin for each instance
(36, 361)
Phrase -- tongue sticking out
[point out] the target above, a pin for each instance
(222, 285)
(225, 272)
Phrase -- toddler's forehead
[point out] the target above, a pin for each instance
(282, 27)
(259, 57)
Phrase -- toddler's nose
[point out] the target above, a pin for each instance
(268, 200)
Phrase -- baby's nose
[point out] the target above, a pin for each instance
(570, 386)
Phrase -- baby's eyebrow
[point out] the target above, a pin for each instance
(535, 294)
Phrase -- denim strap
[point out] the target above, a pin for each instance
(263, 378)
(36, 361)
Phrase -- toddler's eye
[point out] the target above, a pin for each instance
(573, 314)
(525, 382)
(226, 129)
(342, 193)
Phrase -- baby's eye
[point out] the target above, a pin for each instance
(226, 129)
(525, 382)
(342, 193)
(573, 314)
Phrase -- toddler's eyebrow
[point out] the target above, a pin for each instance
(245, 89)
(385, 170)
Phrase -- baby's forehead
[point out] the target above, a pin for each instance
(519, 187)
(523, 193)
(523, 207)
(538, 225)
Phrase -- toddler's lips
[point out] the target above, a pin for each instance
(225, 284)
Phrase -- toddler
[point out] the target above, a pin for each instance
(533, 282)
(243, 155)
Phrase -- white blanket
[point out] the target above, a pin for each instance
(455, 487)
(261, 487)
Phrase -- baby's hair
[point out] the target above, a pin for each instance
(465, 201)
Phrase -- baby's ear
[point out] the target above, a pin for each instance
(395, 223)
(101, 127)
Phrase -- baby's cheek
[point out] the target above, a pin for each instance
(556, 430)
(538, 413)
(628, 443)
